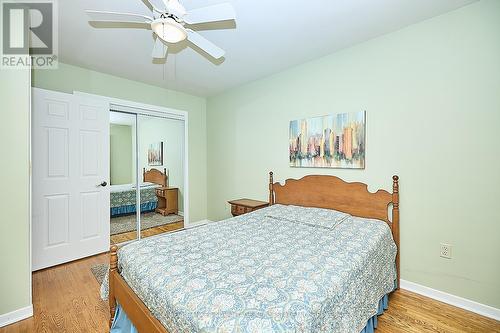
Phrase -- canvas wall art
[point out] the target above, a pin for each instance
(155, 154)
(332, 141)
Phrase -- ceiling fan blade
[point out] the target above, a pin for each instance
(220, 12)
(175, 8)
(153, 6)
(96, 15)
(160, 49)
(205, 44)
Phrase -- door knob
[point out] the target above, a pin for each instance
(103, 184)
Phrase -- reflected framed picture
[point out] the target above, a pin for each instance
(155, 154)
(332, 141)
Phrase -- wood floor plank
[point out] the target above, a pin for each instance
(66, 299)
(410, 312)
(132, 235)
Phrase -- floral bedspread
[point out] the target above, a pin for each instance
(125, 198)
(279, 269)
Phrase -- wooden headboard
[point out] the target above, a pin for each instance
(155, 176)
(334, 193)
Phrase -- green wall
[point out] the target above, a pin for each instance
(14, 197)
(71, 78)
(432, 96)
(120, 154)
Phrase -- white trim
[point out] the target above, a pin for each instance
(197, 224)
(138, 177)
(463, 303)
(30, 189)
(140, 108)
(16, 315)
(186, 171)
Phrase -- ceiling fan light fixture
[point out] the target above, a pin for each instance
(167, 23)
(169, 30)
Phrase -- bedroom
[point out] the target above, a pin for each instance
(426, 74)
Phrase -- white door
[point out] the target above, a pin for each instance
(70, 152)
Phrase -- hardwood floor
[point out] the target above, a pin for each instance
(131, 235)
(66, 299)
(410, 313)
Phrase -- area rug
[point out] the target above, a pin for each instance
(99, 272)
(127, 223)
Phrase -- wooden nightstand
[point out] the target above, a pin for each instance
(167, 200)
(242, 206)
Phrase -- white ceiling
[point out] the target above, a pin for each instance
(269, 36)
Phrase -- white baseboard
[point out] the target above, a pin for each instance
(197, 224)
(16, 315)
(463, 303)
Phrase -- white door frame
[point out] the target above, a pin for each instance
(118, 104)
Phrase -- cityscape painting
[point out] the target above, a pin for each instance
(332, 141)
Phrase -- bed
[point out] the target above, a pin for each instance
(322, 258)
(123, 196)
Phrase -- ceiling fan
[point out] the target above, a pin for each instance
(169, 24)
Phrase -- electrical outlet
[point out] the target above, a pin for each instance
(445, 251)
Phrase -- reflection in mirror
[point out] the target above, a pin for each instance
(161, 159)
(123, 201)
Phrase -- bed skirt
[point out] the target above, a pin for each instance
(129, 209)
(122, 324)
(371, 325)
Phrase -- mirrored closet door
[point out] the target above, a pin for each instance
(161, 159)
(147, 157)
(123, 177)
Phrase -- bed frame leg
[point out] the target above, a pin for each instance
(113, 266)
